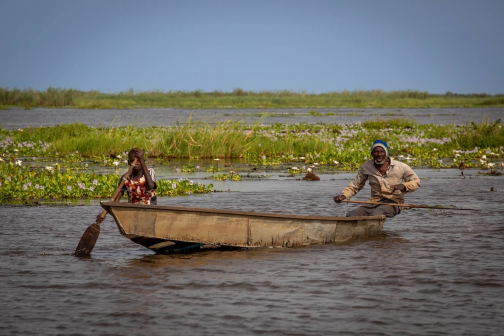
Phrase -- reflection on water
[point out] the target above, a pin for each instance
(430, 272)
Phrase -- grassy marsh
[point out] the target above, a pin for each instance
(238, 98)
(274, 144)
(329, 146)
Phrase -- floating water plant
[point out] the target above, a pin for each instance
(232, 176)
(21, 182)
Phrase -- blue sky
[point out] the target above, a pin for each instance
(313, 45)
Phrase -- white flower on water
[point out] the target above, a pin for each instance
(115, 163)
(483, 156)
(302, 158)
(18, 163)
(217, 159)
(295, 168)
(490, 165)
(336, 162)
(49, 168)
(119, 156)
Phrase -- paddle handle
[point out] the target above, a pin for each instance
(118, 190)
(405, 205)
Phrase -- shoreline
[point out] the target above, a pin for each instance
(238, 99)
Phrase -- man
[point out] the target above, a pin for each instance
(389, 181)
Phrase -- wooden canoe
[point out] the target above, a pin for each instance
(164, 228)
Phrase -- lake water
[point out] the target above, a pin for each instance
(431, 272)
(15, 118)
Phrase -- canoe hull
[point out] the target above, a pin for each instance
(163, 227)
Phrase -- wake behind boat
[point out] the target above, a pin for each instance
(165, 228)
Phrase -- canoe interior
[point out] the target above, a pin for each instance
(168, 228)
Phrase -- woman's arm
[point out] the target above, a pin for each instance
(149, 183)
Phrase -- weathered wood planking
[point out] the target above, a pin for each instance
(152, 225)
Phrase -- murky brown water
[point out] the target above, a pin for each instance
(432, 272)
(13, 119)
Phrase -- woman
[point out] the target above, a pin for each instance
(140, 185)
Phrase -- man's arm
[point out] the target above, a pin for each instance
(354, 187)
(411, 180)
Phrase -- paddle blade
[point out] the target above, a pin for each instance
(88, 240)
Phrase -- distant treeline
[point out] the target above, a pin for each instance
(238, 98)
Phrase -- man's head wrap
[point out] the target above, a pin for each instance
(380, 143)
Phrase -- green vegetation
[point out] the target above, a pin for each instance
(21, 182)
(232, 176)
(238, 98)
(258, 145)
(318, 146)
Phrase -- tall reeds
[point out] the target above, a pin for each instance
(342, 146)
(238, 98)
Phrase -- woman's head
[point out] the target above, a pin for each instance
(135, 153)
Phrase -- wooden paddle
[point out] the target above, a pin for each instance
(406, 205)
(90, 236)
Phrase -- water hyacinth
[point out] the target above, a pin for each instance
(324, 143)
(175, 187)
(232, 176)
(22, 183)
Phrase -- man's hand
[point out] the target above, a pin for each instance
(399, 187)
(339, 198)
